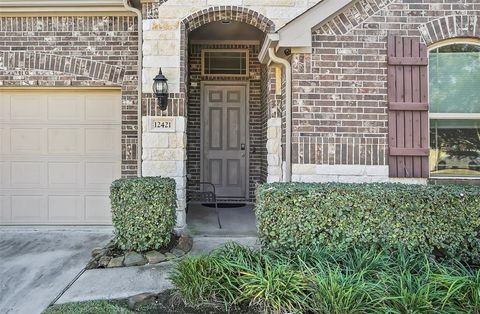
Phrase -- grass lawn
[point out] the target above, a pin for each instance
(90, 307)
(167, 303)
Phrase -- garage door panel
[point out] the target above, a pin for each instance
(107, 112)
(4, 140)
(65, 208)
(5, 209)
(27, 174)
(4, 107)
(97, 208)
(65, 141)
(29, 208)
(4, 174)
(28, 107)
(59, 152)
(65, 175)
(102, 141)
(101, 174)
(27, 140)
(67, 107)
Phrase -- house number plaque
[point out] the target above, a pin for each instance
(162, 124)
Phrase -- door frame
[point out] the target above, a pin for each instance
(245, 84)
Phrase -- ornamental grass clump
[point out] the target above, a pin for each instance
(143, 212)
(326, 281)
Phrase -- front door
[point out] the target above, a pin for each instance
(224, 139)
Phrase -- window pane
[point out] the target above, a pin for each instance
(455, 147)
(455, 79)
(225, 63)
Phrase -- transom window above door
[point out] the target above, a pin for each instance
(225, 62)
(454, 71)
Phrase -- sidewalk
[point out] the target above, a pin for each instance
(117, 283)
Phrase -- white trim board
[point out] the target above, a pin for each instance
(59, 3)
(54, 6)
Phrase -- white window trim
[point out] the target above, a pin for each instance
(247, 62)
(453, 115)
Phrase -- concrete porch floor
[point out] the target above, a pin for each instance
(236, 222)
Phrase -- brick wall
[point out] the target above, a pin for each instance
(340, 90)
(257, 113)
(74, 51)
(265, 93)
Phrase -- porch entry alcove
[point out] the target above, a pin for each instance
(226, 109)
(226, 122)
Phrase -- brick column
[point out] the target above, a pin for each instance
(164, 154)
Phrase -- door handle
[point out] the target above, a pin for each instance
(242, 147)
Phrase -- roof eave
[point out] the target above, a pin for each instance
(298, 32)
(271, 41)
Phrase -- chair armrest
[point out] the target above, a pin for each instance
(209, 184)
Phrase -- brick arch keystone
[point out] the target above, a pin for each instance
(65, 64)
(452, 26)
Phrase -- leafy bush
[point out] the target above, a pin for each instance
(444, 220)
(324, 280)
(143, 212)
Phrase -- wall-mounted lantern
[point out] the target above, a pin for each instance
(160, 89)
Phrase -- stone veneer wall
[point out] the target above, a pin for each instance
(274, 150)
(76, 51)
(164, 154)
(256, 110)
(340, 90)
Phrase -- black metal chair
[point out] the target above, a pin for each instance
(204, 197)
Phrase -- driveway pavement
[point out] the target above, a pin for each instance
(37, 264)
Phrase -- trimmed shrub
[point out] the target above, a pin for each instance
(439, 219)
(143, 212)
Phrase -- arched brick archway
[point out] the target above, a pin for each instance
(453, 26)
(231, 13)
(214, 14)
(191, 80)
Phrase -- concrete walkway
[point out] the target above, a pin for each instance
(119, 283)
(236, 222)
(37, 263)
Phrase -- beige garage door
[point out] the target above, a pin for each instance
(59, 151)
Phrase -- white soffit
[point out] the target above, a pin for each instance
(10, 6)
(298, 32)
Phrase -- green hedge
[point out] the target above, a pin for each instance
(439, 219)
(143, 212)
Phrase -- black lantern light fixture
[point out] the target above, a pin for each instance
(160, 89)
